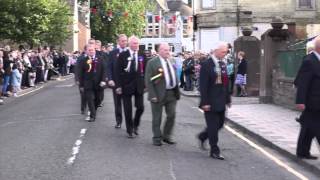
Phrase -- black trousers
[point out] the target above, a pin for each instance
(310, 128)
(92, 97)
(117, 98)
(127, 103)
(100, 96)
(83, 101)
(214, 121)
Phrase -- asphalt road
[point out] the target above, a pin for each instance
(43, 136)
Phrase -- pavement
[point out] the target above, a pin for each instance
(43, 136)
(272, 125)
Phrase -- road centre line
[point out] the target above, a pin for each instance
(76, 147)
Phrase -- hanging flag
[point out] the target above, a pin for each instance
(94, 10)
(157, 18)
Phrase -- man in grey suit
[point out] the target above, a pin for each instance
(163, 92)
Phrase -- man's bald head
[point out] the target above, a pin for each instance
(317, 44)
(164, 50)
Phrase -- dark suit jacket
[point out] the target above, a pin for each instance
(113, 57)
(105, 58)
(157, 88)
(308, 85)
(90, 80)
(130, 82)
(215, 95)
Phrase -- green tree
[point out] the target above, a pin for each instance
(112, 17)
(34, 21)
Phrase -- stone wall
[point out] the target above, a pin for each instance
(283, 91)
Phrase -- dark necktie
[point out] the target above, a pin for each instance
(133, 63)
(170, 73)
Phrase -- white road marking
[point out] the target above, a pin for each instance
(172, 174)
(76, 147)
(266, 153)
(66, 85)
(30, 91)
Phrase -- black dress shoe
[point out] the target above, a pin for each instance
(130, 136)
(158, 143)
(92, 119)
(168, 141)
(117, 126)
(135, 131)
(310, 157)
(217, 156)
(202, 144)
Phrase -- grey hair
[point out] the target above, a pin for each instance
(219, 45)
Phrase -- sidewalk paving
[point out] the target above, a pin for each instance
(271, 125)
(4, 100)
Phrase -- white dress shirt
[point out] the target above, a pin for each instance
(166, 73)
(136, 57)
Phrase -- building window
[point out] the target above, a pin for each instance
(306, 4)
(208, 4)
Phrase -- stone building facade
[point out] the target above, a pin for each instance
(224, 19)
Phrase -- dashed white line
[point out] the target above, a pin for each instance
(76, 147)
(172, 174)
(266, 153)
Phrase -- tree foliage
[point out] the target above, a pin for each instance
(112, 17)
(35, 21)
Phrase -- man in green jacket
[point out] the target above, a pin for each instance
(163, 91)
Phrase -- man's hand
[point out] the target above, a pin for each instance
(206, 108)
(102, 84)
(154, 100)
(81, 89)
(301, 107)
(119, 91)
(111, 83)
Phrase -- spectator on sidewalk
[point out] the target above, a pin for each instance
(188, 68)
(7, 66)
(15, 80)
(1, 68)
(241, 78)
(307, 100)
(230, 68)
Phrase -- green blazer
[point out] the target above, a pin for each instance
(157, 88)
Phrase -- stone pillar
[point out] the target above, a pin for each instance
(251, 46)
(271, 41)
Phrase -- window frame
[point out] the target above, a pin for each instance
(305, 8)
(208, 8)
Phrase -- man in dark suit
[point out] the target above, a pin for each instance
(91, 78)
(214, 97)
(105, 59)
(130, 69)
(163, 92)
(308, 101)
(113, 57)
(83, 105)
